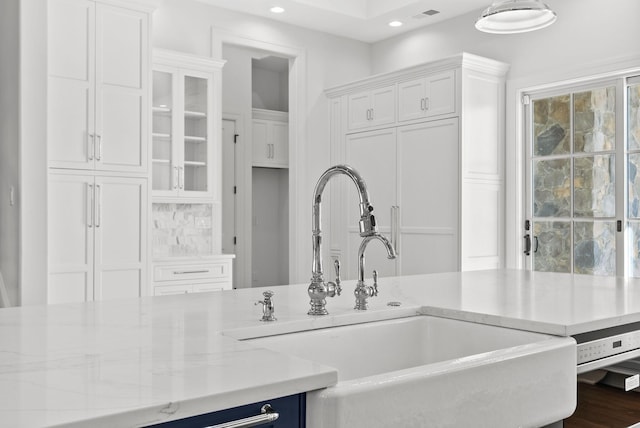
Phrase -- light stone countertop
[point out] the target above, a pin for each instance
(142, 361)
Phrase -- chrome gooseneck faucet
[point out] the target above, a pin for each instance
(318, 289)
(363, 291)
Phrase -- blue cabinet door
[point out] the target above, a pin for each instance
(291, 410)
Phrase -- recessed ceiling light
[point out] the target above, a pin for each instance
(277, 9)
(395, 24)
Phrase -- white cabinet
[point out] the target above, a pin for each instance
(186, 126)
(188, 276)
(97, 86)
(97, 237)
(412, 175)
(434, 174)
(429, 96)
(270, 134)
(371, 108)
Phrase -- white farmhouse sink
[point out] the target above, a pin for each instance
(434, 372)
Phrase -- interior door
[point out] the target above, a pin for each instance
(229, 189)
(373, 155)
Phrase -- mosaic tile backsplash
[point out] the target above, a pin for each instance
(181, 230)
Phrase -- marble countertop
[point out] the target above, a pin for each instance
(142, 361)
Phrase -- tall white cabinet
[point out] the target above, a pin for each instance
(186, 175)
(434, 172)
(97, 139)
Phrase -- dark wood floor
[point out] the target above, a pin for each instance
(601, 406)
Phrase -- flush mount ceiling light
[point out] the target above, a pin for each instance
(277, 9)
(515, 16)
(395, 24)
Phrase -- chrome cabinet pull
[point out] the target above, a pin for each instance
(268, 151)
(422, 104)
(181, 177)
(186, 272)
(90, 204)
(91, 141)
(99, 141)
(426, 103)
(267, 414)
(99, 205)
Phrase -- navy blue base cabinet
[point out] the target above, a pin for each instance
(291, 410)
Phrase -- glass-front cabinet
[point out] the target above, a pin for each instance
(186, 127)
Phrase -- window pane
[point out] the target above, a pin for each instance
(552, 188)
(551, 126)
(595, 248)
(553, 247)
(594, 120)
(634, 185)
(634, 249)
(633, 115)
(594, 186)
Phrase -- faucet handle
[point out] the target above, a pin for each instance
(375, 282)
(268, 308)
(336, 264)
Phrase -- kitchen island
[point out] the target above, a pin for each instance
(137, 362)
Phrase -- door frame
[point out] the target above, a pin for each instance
(515, 150)
(297, 154)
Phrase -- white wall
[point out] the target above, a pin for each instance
(9, 134)
(586, 31)
(589, 37)
(270, 89)
(186, 25)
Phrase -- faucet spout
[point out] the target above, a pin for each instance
(391, 252)
(318, 289)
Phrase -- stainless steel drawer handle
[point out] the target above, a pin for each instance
(267, 414)
(186, 272)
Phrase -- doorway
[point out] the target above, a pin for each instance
(238, 102)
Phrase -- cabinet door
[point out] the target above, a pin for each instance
(198, 144)
(260, 145)
(121, 87)
(411, 99)
(373, 155)
(359, 106)
(441, 95)
(383, 105)
(372, 108)
(121, 237)
(428, 189)
(71, 90)
(71, 238)
(165, 127)
(280, 144)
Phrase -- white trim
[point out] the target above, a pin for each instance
(515, 139)
(297, 148)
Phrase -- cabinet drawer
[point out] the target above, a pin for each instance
(195, 271)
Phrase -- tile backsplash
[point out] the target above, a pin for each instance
(181, 230)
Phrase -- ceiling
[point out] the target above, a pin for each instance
(364, 20)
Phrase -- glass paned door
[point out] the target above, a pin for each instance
(574, 197)
(633, 177)
(195, 134)
(162, 134)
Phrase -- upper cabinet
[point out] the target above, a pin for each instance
(428, 96)
(98, 78)
(373, 107)
(270, 139)
(186, 126)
